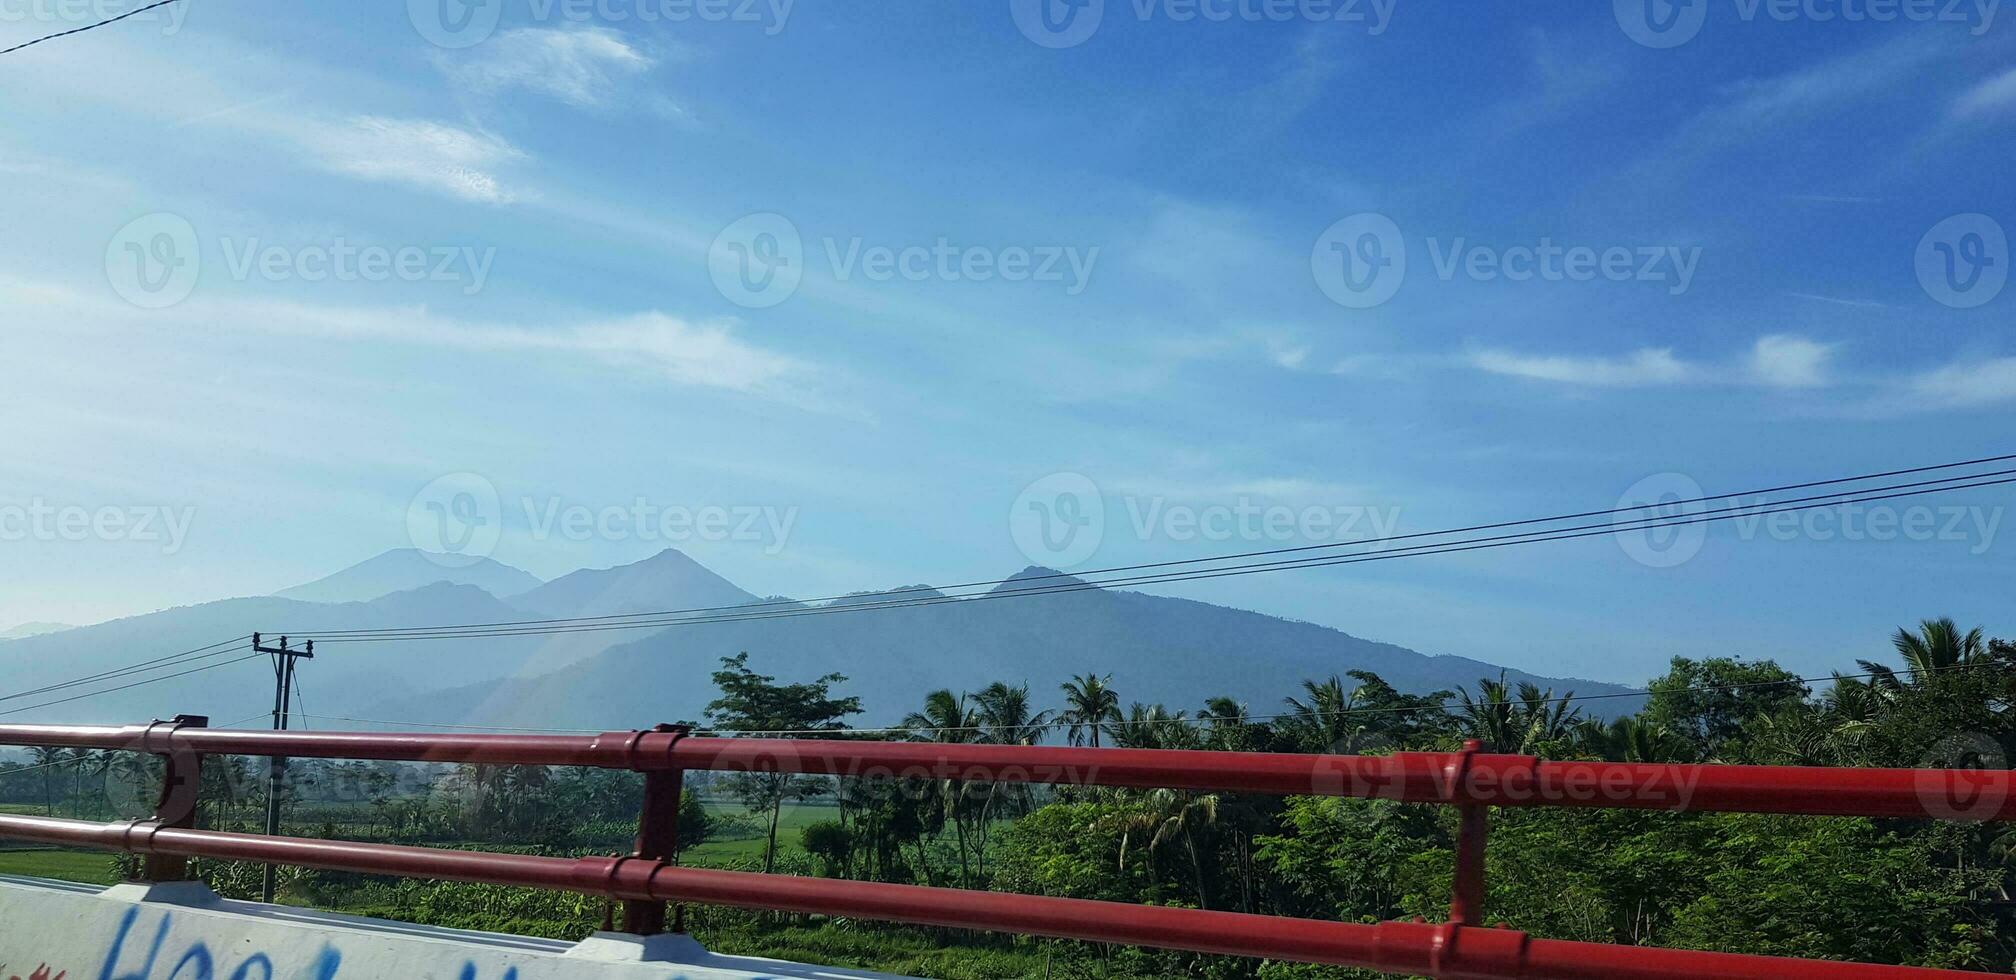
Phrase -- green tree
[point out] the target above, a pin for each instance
(755, 704)
(1710, 701)
(1090, 705)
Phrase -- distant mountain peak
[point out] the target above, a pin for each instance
(406, 569)
(26, 630)
(1038, 577)
(668, 580)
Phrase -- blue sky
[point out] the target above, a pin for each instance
(573, 194)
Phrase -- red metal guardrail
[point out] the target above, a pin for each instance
(1460, 949)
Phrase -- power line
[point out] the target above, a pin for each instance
(1194, 561)
(87, 27)
(1198, 721)
(124, 687)
(1075, 585)
(141, 667)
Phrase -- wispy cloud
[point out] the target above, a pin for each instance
(649, 344)
(1775, 361)
(1650, 366)
(585, 66)
(1785, 361)
(415, 152)
(1992, 97)
(1966, 384)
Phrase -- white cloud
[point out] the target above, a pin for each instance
(1785, 361)
(1993, 96)
(701, 354)
(1650, 366)
(1775, 361)
(415, 152)
(580, 66)
(1966, 384)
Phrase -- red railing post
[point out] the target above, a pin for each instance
(1466, 901)
(181, 786)
(657, 838)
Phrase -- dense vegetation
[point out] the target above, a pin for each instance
(1893, 891)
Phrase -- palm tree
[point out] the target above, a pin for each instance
(1509, 722)
(1937, 647)
(1327, 722)
(1167, 816)
(47, 758)
(1005, 716)
(1090, 705)
(946, 718)
(1154, 727)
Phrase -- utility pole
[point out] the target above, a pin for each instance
(283, 683)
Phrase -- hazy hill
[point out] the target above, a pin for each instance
(407, 569)
(1176, 651)
(667, 580)
(34, 629)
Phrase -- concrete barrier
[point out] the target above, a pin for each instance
(182, 931)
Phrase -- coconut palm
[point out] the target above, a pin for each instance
(1328, 721)
(1937, 647)
(1165, 817)
(1005, 716)
(1090, 706)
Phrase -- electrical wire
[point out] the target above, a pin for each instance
(1197, 721)
(125, 687)
(1531, 537)
(1081, 575)
(87, 27)
(186, 656)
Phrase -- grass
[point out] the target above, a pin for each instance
(723, 851)
(93, 869)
